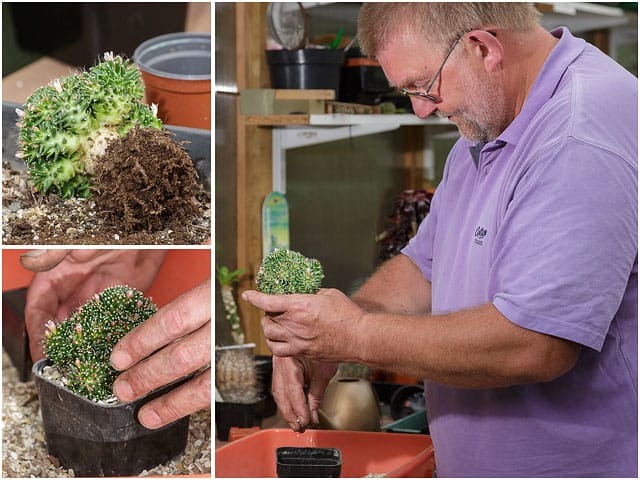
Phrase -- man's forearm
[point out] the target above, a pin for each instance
(398, 286)
(475, 348)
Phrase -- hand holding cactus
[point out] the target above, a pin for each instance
(81, 345)
(174, 343)
(309, 333)
(67, 278)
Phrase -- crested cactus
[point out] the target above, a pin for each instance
(285, 271)
(66, 126)
(236, 376)
(81, 345)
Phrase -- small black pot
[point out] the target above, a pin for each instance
(104, 440)
(308, 462)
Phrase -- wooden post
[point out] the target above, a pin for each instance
(253, 161)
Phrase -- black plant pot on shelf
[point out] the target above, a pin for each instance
(104, 440)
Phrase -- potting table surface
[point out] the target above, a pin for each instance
(24, 452)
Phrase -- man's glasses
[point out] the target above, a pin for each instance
(432, 97)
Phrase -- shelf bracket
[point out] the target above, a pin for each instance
(285, 138)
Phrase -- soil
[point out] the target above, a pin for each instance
(146, 193)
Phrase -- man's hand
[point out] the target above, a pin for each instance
(65, 279)
(290, 375)
(175, 342)
(325, 326)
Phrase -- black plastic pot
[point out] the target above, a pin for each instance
(264, 366)
(308, 462)
(243, 415)
(306, 68)
(15, 340)
(104, 440)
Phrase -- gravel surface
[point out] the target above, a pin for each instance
(24, 452)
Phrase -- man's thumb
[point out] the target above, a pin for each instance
(42, 260)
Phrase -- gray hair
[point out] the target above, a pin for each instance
(440, 22)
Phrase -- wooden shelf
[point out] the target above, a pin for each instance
(276, 120)
(340, 119)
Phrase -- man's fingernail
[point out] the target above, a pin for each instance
(123, 390)
(34, 253)
(149, 418)
(120, 360)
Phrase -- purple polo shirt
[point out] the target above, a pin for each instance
(545, 228)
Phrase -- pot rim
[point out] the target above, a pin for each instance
(171, 45)
(45, 362)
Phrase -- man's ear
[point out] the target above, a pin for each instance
(484, 45)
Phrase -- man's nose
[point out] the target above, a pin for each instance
(422, 107)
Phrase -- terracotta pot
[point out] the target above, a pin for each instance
(350, 404)
(176, 71)
(96, 439)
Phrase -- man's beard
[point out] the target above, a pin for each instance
(484, 117)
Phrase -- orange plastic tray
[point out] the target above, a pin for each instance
(363, 453)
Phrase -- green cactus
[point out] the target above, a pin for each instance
(285, 271)
(81, 345)
(65, 126)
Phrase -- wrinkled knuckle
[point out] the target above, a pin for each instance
(140, 380)
(175, 323)
(185, 360)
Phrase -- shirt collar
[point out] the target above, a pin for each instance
(546, 83)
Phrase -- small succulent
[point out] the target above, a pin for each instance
(81, 345)
(285, 271)
(66, 126)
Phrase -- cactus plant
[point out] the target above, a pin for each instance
(65, 126)
(226, 279)
(81, 345)
(236, 376)
(285, 271)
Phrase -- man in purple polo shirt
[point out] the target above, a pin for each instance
(517, 299)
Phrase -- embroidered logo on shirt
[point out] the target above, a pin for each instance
(479, 235)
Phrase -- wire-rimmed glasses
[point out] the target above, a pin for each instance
(432, 97)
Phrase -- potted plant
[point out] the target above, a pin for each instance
(86, 428)
(240, 399)
(240, 393)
